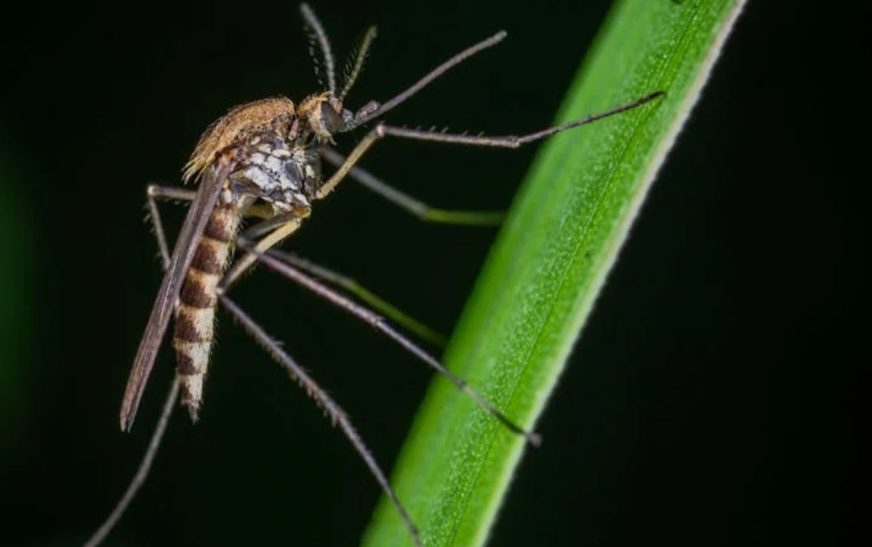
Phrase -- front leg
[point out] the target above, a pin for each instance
(508, 141)
(153, 193)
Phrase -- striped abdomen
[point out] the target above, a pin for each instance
(195, 316)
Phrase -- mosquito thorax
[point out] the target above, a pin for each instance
(269, 141)
(241, 124)
(285, 173)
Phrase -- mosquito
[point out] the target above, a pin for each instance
(263, 160)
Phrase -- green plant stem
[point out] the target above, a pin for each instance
(550, 261)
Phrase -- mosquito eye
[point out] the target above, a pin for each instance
(330, 119)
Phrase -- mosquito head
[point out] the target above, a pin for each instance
(324, 115)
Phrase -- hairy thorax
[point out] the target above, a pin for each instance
(276, 114)
(271, 146)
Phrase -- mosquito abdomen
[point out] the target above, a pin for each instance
(195, 317)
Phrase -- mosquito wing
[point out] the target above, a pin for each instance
(164, 305)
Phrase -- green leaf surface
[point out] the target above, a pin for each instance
(550, 260)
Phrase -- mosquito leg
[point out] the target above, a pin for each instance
(277, 223)
(379, 324)
(358, 290)
(276, 229)
(170, 193)
(284, 224)
(142, 471)
(510, 141)
(381, 130)
(262, 211)
(337, 415)
(268, 225)
(356, 153)
(154, 192)
(410, 204)
(279, 226)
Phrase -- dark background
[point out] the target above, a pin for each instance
(711, 400)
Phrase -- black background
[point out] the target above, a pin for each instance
(711, 400)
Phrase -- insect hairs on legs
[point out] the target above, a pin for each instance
(263, 159)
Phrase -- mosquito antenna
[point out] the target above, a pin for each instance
(367, 113)
(272, 259)
(318, 34)
(142, 471)
(333, 410)
(353, 68)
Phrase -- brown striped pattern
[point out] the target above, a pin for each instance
(195, 317)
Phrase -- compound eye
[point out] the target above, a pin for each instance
(330, 119)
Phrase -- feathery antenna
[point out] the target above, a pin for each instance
(353, 68)
(368, 112)
(313, 25)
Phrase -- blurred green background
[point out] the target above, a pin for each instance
(711, 399)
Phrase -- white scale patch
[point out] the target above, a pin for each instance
(198, 352)
(203, 320)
